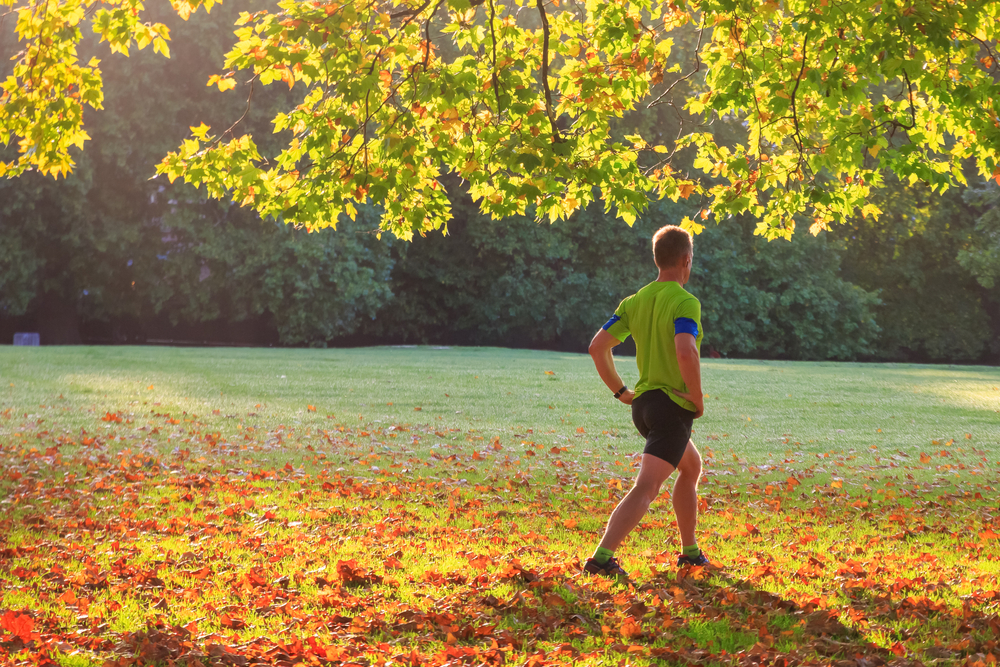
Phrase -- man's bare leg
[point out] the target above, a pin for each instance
(685, 497)
(653, 472)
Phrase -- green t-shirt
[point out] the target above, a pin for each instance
(653, 316)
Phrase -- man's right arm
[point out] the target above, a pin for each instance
(690, 366)
(600, 352)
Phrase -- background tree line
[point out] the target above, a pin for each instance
(108, 255)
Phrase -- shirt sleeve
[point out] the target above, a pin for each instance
(687, 318)
(617, 326)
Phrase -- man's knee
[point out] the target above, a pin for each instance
(648, 489)
(690, 465)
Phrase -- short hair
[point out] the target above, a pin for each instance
(671, 244)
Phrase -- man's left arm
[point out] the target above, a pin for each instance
(600, 352)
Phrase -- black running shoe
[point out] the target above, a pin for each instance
(610, 569)
(698, 561)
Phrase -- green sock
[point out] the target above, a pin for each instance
(602, 555)
(692, 551)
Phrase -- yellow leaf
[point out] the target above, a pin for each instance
(160, 46)
(691, 226)
(183, 9)
(874, 150)
(686, 190)
(200, 131)
(660, 149)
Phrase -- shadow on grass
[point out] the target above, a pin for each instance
(724, 619)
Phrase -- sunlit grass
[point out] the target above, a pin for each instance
(849, 489)
(759, 410)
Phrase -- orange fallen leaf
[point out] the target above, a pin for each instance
(553, 600)
(630, 629)
(232, 622)
(19, 625)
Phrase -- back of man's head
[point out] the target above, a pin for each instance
(671, 245)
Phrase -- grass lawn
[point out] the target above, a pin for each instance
(430, 506)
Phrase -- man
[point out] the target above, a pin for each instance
(665, 321)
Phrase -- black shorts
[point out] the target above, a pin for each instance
(665, 425)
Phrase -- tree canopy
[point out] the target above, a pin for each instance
(524, 100)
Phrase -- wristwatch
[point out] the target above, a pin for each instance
(621, 391)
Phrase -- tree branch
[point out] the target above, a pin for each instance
(795, 90)
(493, 74)
(427, 34)
(545, 70)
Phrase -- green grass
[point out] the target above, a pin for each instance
(760, 410)
(171, 491)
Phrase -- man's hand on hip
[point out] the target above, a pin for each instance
(627, 397)
(698, 400)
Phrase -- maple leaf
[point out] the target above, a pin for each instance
(630, 629)
(18, 624)
(350, 573)
(232, 622)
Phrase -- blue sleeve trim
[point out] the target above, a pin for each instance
(607, 325)
(685, 325)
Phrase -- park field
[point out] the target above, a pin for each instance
(431, 506)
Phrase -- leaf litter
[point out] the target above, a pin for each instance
(155, 539)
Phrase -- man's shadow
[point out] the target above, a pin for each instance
(756, 626)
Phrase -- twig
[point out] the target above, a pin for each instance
(697, 67)
(909, 97)
(753, 94)
(410, 14)
(240, 120)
